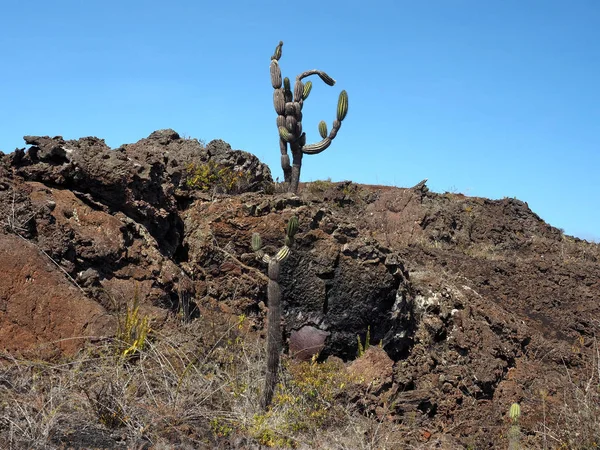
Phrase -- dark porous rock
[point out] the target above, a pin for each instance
(138, 179)
(259, 174)
(324, 287)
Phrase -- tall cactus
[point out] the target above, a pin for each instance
(288, 106)
(274, 343)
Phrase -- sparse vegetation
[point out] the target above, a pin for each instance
(133, 329)
(320, 186)
(195, 385)
(308, 399)
(363, 348)
(211, 176)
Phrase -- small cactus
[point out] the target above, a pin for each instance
(274, 343)
(514, 432)
(515, 412)
(323, 129)
(288, 105)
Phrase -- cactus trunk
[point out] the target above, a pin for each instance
(296, 167)
(274, 337)
(274, 341)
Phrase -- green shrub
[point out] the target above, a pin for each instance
(319, 186)
(307, 399)
(211, 176)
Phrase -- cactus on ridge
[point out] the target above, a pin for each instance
(288, 106)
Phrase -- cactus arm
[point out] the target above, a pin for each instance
(307, 89)
(342, 110)
(275, 74)
(277, 53)
(298, 90)
(281, 95)
(316, 148)
(279, 101)
(283, 253)
(287, 89)
(323, 129)
(322, 75)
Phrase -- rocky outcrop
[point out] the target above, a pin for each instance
(108, 220)
(120, 223)
(139, 180)
(335, 280)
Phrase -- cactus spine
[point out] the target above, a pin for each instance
(288, 106)
(274, 343)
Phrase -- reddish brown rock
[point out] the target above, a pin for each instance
(373, 369)
(41, 312)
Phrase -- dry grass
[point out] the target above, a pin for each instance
(575, 421)
(192, 385)
(197, 385)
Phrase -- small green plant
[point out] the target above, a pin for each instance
(212, 176)
(133, 329)
(363, 348)
(220, 428)
(267, 435)
(514, 433)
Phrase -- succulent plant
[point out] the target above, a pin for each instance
(514, 432)
(288, 106)
(515, 412)
(274, 343)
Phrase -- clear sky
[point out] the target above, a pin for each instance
(492, 98)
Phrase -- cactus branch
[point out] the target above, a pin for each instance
(275, 74)
(326, 78)
(307, 89)
(314, 149)
(342, 108)
(323, 129)
(277, 53)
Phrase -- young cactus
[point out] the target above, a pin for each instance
(274, 343)
(514, 433)
(288, 106)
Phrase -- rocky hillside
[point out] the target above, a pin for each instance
(476, 303)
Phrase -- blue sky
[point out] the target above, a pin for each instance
(488, 98)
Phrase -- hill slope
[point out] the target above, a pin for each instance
(477, 303)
